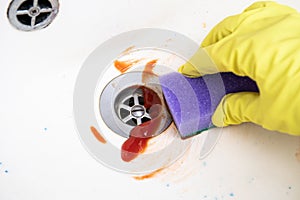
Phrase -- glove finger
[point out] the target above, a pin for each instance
(237, 108)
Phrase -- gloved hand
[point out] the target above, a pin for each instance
(263, 43)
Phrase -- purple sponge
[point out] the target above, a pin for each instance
(192, 101)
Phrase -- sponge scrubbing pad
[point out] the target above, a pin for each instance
(192, 101)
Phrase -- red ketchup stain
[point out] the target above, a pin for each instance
(147, 176)
(148, 71)
(97, 135)
(125, 65)
(127, 51)
(141, 134)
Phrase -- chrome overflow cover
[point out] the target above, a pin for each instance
(30, 15)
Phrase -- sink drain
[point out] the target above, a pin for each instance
(125, 103)
(130, 106)
(29, 15)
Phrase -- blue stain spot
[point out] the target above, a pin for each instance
(168, 185)
(204, 164)
(0, 163)
(45, 129)
(6, 171)
(231, 194)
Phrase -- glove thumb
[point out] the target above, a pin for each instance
(237, 108)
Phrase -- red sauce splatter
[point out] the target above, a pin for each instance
(148, 71)
(151, 175)
(126, 51)
(97, 135)
(140, 135)
(125, 65)
(150, 97)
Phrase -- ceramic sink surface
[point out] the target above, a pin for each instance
(41, 156)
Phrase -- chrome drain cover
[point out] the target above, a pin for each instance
(138, 112)
(122, 103)
(130, 107)
(30, 15)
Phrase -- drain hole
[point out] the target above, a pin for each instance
(24, 19)
(45, 4)
(124, 113)
(129, 102)
(145, 119)
(41, 17)
(26, 5)
(132, 122)
(141, 100)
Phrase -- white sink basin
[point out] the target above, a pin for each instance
(41, 156)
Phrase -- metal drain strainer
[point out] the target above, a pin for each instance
(30, 15)
(122, 103)
(130, 107)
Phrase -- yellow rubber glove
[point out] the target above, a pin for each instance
(263, 43)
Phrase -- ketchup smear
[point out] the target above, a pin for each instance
(123, 66)
(141, 134)
(148, 71)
